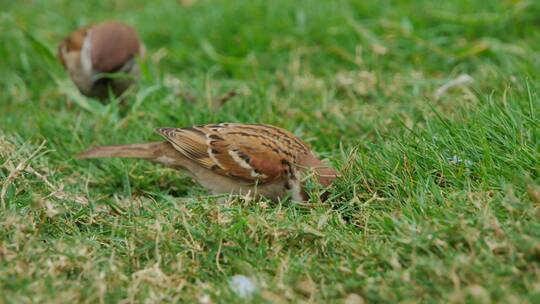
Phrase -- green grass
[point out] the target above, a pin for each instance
(439, 200)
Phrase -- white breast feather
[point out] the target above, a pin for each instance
(86, 55)
(296, 190)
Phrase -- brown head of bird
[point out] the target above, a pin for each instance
(255, 159)
(92, 53)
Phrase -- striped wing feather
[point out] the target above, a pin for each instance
(254, 153)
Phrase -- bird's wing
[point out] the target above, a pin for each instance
(254, 153)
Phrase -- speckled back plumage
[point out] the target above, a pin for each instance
(252, 152)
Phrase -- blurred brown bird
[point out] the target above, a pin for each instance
(107, 47)
(255, 159)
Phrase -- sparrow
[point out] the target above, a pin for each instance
(107, 47)
(252, 159)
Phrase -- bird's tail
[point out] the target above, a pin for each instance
(145, 151)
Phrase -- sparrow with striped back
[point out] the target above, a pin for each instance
(254, 159)
(98, 49)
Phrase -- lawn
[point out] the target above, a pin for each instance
(440, 195)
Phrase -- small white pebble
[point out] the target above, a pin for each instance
(205, 299)
(353, 298)
(242, 285)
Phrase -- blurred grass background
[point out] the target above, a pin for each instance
(440, 197)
